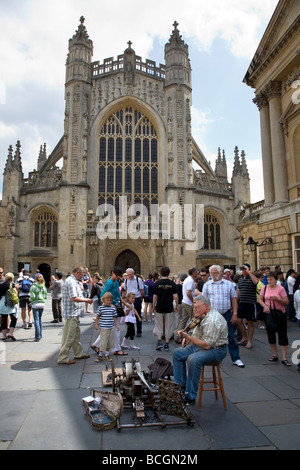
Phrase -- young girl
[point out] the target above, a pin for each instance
(38, 295)
(130, 320)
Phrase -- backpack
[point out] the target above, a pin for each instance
(160, 369)
(11, 297)
(146, 290)
(26, 286)
(99, 290)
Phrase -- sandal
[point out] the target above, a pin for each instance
(95, 348)
(286, 363)
(120, 353)
(273, 359)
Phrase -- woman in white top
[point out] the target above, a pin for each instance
(297, 298)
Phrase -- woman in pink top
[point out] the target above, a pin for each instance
(275, 296)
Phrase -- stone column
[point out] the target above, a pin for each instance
(266, 148)
(278, 144)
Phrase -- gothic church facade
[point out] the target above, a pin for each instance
(127, 137)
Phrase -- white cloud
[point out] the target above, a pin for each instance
(200, 122)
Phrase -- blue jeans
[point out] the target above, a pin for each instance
(232, 346)
(187, 363)
(37, 317)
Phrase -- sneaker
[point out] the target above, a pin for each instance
(238, 363)
(107, 358)
(188, 401)
(29, 325)
(99, 359)
(159, 346)
(24, 326)
(135, 347)
(166, 347)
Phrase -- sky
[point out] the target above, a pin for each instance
(222, 36)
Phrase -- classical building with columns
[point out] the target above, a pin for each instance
(126, 137)
(274, 73)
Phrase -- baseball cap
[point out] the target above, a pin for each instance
(226, 270)
(246, 265)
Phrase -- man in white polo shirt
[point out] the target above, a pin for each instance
(188, 294)
(135, 285)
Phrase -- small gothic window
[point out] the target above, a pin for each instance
(45, 230)
(212, 233)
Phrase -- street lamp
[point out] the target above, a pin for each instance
(252, 244)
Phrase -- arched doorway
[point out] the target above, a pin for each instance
(45, 270)
(128, 259)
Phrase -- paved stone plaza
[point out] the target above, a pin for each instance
(42, 401)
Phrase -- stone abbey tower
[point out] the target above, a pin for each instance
(126, 137)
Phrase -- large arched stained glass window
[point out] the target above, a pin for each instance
(128, 159)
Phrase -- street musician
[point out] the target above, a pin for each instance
(207, 344)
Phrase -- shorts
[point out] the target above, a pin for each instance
(247, 311)
(23, 301)
(164, 324)
(107, 339)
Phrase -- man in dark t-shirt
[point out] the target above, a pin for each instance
(165, 293)
(247, 304)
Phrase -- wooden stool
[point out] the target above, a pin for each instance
(217, 381)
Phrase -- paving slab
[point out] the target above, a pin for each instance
(245, 389)
(275, 412)
(228, 429)
(15, 407)
(284, 437)
(57, 421)
(279, 387)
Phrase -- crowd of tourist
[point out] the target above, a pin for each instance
(265, 298)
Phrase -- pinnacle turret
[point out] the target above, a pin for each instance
(244, 165)
(9, 161)
(80, 55)
(178, 67)
(237, 168)
(81, 34)
(221, 165)
(17, 162)
(42, 156)
(240, 179)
